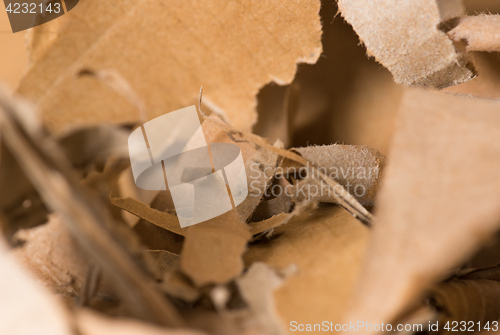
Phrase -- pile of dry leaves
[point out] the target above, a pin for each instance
(330, 235)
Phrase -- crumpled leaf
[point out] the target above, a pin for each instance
(439, 201)
(341, 195)
(233, 58)
(404, 37)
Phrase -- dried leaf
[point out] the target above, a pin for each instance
(327, 246)
(438, 203)
(107, 243)
(222, 62)
(343, 197)
(405, 38)
(212, 252)
(51, 254)
(260, 164)
(481, 33)
(164, 220)
(359, 169)
(471, 301)
(39, 38)
(257, 286)
(26, 307)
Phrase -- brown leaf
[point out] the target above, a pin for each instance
(344, 198)
(212, 251)
(471, 301)
(39, 38)
(26, 307)
(327, 246)
(52, 255)
(359, 169)
(481, 33)
(260, 164)
(438, 203)
(273, 222)
(491, 273)
(233, 52)
(69, 44)
(108, 243)
(406, 39)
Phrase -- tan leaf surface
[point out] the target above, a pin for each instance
(404, 37)
(327, 246)
(233, 52)
(69, 45)
(212, 252)
(481, 33)
(439, 200)
(53, 257)
(25, 306)
(358, 168)
(39, 39)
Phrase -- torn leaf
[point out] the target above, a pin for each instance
(480, 33)
(404, 37)
(248, 45)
